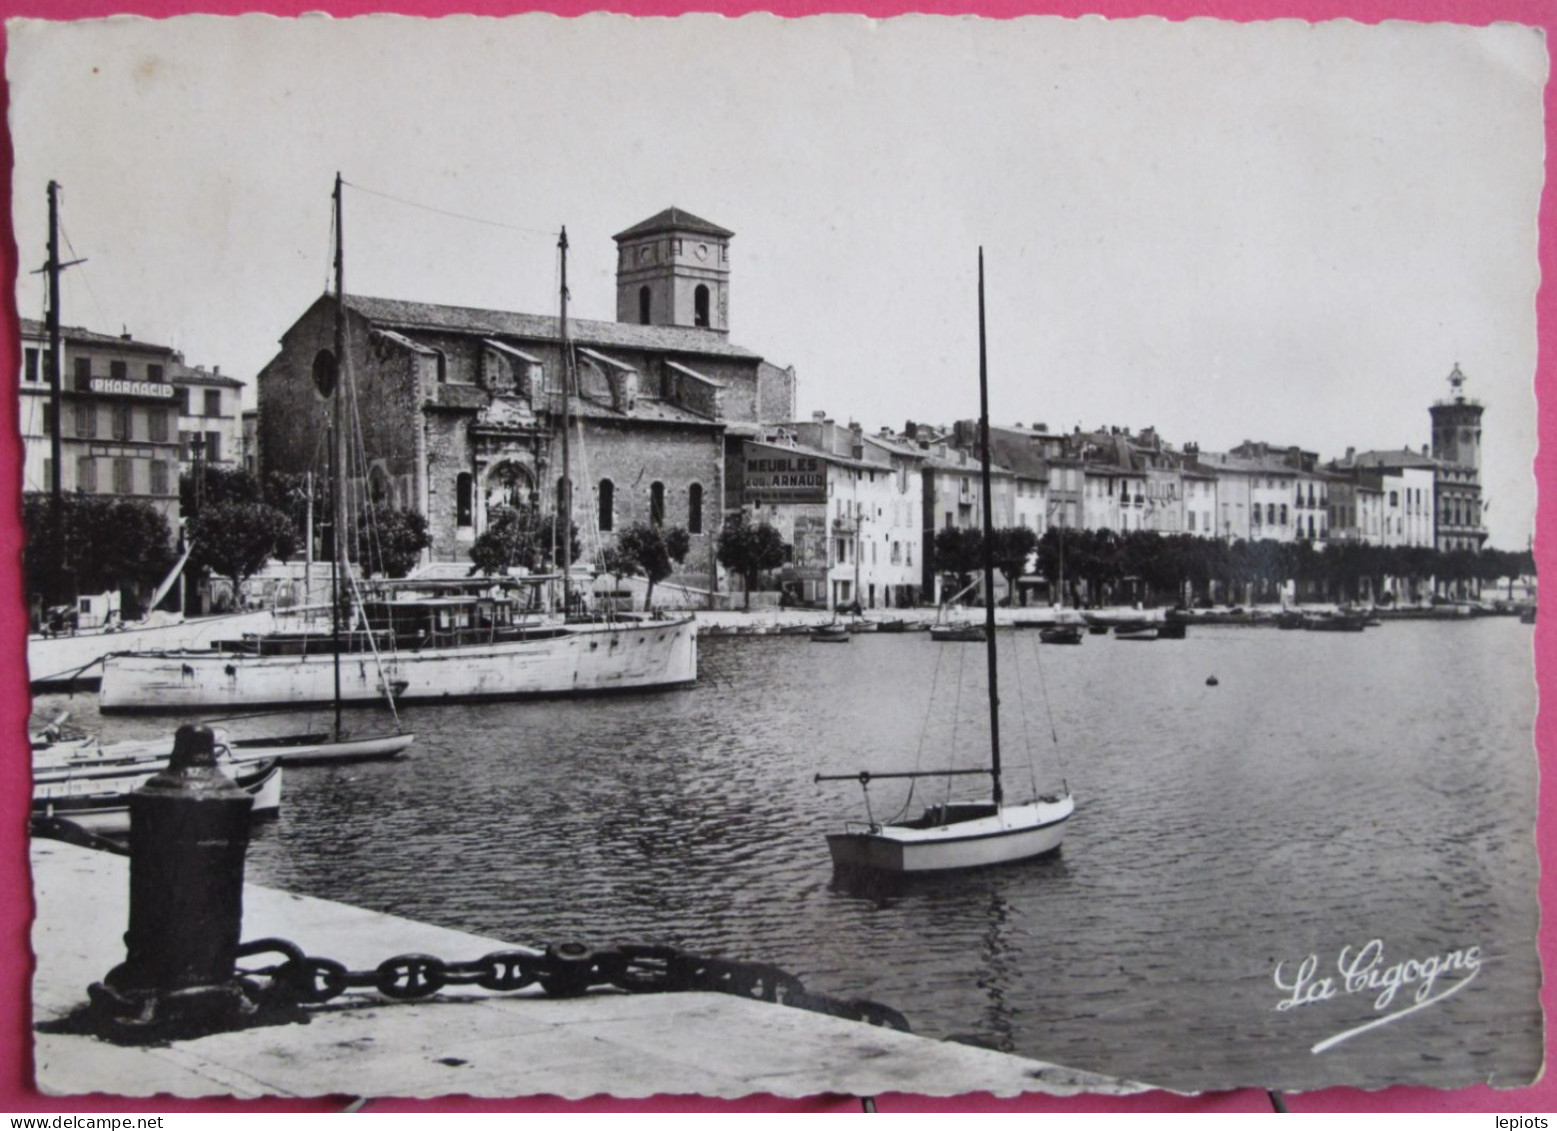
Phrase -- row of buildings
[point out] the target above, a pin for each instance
(455, 412)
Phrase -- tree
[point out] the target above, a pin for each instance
(748, 550)
(959, 553)
(652, 551)
(234, 539)
(1011, 548)
(109, 543)
(519, 537)
(390, 540)
(212, 485)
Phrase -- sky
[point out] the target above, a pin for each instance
(1269, 231)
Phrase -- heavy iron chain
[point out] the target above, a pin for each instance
(566, 970)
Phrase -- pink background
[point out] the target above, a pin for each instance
(16, 1088)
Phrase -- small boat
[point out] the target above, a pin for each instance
(956, 835)
(860, 624)
(1137, 630)
(953, 632)
(1097, 630)
(834, 633)
(895, 624)
(321, 749)
(97, 797)
(1061, 634)
(1334, 622)
(1172, 630)
(1289, 619)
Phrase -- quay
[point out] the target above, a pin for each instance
(464, 1040)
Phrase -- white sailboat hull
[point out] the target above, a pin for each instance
(585, 660)
(100, 802)
(326, 752)
(61, 661)
(1014, 832)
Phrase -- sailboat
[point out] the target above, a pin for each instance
(416, 642)
(960, 834)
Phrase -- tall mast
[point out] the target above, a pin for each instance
(565, 496)
(56, 362)
(337, 456)
(989, 550)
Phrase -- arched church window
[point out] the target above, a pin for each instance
(695, 509)
(607, 505)
(657, 504)
(643, 305)
(464, 496)
(700, 306)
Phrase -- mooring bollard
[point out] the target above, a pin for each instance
(189, 833)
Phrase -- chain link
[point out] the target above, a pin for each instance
(565, 970)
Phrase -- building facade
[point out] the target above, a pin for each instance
(1457, 448)
(119, 427)
(210, 417)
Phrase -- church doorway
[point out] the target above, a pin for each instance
(508, 484)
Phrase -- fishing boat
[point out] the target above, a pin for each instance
(96, 795)
(958, 835)
(1061, 634)
(413, 645)
(891, 624)
(965, 632)
(1172, 630)
(834, 633)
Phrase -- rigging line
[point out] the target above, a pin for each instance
(1027, 729)
(86, 277)
(453, 215)
(962, 667)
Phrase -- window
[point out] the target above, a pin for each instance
(157, 427)
(154, 373)
(657, 504)
(119, 370)
(121, 422)
(48, 472)
(213, 446)
(181, 397)
(48, 366)
(1191, 522)
(30, 364)
(124, 477)
(213, 403)
(700, 306)
(83, 374)
(1394, 498)
(86, 474)
(1283, 514)
(643, 305)
(464, 488)
(159, 477)
(695, 509)
(607, 505)
(48, 420)
(86, 420)
(443, 366)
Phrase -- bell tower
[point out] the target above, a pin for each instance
(673, 269)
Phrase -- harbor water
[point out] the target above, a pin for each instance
(1329, 790)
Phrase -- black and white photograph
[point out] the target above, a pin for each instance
(613, 556)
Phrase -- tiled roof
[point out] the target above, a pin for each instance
(540, 327)
(1398, 458)
(31, 328)
(644, 411)
(187, 376)
(674, 219)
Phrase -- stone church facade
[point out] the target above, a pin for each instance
(461, 411)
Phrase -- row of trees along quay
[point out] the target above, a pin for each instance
(235, 527)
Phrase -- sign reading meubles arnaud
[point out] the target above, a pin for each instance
(120, 387)
(782, 475)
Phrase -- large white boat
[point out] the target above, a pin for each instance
(423, 650)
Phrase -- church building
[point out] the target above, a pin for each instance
(461, 411)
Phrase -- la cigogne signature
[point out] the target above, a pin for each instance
(1409, 984)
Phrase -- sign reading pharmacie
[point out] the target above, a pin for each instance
(120, 387)
(782, 475)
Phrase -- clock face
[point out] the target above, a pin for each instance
(702, 251)
(645, 255)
